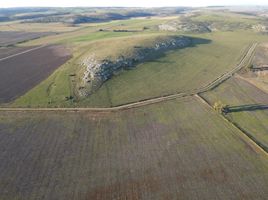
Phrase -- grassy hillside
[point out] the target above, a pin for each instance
(177, 71)
(178, 149)
(226, 18)
(87, 32)
(37, 27)
(61, 84)
(181, 70)
(170, 149)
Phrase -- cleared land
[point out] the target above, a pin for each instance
(37, 27)
(180, 149)
(248, 107)
(258, 73)
(8, 38)
(259, 79)
(8, 51)
(260, 59)
(24, 71)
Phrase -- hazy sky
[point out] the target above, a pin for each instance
(134, 3)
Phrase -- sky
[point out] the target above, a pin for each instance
(125, 3)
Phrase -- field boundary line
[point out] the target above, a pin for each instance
(21, 53)
(112, 109)
(246, 134)
(248, 81)
(204, 101)
(220, 79)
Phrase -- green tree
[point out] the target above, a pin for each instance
(220, 107)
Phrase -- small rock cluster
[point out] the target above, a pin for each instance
(260, 28)
(190, 27)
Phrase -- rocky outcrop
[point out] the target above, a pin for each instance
(185, 27)
(260, 28)
(98, 71)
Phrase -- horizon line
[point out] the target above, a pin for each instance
(241, 5)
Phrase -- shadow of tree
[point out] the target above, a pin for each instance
(249, 107)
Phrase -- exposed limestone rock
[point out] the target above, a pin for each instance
(168, 27)
(189, 26)
(260, 28)
(98, 71)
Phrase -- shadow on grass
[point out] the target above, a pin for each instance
(156, 57)
(199, 41)
(249, 107)
(194, 42)
(163, 61)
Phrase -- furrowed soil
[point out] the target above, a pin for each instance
(260, 58)
(8, 38)
(8, 51)
(22, 72)
(258, 74)
(173, 150)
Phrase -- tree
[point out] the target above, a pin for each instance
(145, 28)
(220, 107)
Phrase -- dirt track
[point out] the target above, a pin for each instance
(243, 62)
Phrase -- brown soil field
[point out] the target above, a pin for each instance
(23, 72)
(257, 78)
(8, 38)
(172, 150)
(8, 51)
(260, 58)
(258, 75)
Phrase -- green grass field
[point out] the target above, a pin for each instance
(177, 149)
(211, 55)
(226, 17)
(245, 99)
(177, 71)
